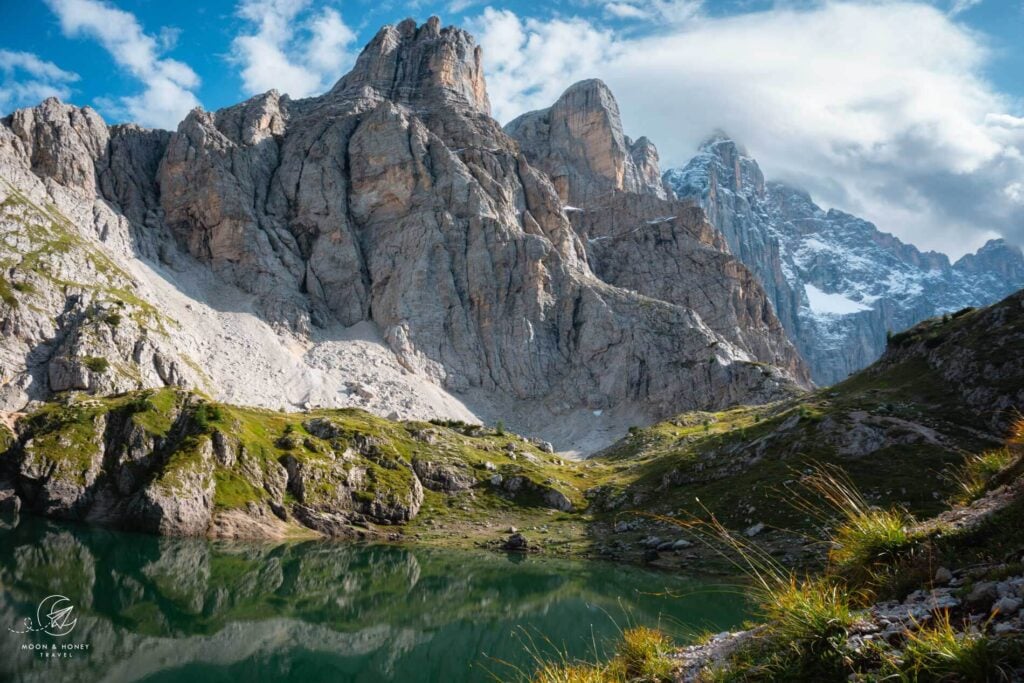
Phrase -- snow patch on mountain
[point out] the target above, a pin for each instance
(831, 303)
(838, 284)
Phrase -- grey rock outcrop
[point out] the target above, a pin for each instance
(393, 200)
(71, 317)
(580, 144)
(152, 462)
(837, 283)
(638, 236)
(434, 226)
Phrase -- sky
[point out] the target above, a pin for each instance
(909, 114)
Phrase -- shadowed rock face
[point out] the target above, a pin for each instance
(394, 198)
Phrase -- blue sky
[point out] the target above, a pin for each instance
(909, 113)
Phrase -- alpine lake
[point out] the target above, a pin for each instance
(81, 603)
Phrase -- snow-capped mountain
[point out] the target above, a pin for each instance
(838, 284)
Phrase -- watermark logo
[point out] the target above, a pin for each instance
(55, 616)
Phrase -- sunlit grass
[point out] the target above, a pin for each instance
(941, 652)
(640, 656)
(643, 655)
(974, 477)
(571, 673)
(806, 621)
(865, 537)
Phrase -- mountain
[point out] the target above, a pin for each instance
(580, 143)
(947, 390)
(635, 233)
(385, 245)
(837, 283)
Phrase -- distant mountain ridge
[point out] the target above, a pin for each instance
(837, 283)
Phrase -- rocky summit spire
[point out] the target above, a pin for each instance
(579, 142)
(420, 64)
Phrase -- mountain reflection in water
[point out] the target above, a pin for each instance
(162, 609)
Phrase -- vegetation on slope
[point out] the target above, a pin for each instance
(930, 432)
(346, 462)
(904, 433)
(902, 430)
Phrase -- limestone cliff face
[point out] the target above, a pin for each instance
(70, 316)
(407, 64)
(837, 283)
(393, 199)
(579, 143)
(637, 235)
(396, 198)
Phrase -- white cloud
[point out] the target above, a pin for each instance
(625, 10)
(670, 11)
(880, 109)
(530, 62)
(959, 6)
(286, 49)
(1005, 121)
(457, 6)
(25, 79)
(168, 84)
(1015, 192)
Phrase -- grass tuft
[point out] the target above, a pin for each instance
(866, 537)
(975, 476)
(96, 364)
(570, 673)
(643, 655)
(939, 652)
(814, 612)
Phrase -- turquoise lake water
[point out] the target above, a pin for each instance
(165, 610)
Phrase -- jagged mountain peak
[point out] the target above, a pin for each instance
(386, 234)
(637, 235)
(996, 247)
(62, 141)
(837, 282)
(591, 88)
(720, 142)
(720, 163)
(579, 141)
(420, 64)
(996, 257)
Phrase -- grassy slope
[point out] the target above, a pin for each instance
(898, 428)
(909, 422)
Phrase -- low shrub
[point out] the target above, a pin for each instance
(96, 364)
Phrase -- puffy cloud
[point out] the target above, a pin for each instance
(880, 109)
(625, 10)
(25, 79)
(287, 49)
(530, 62)
(167, 83)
